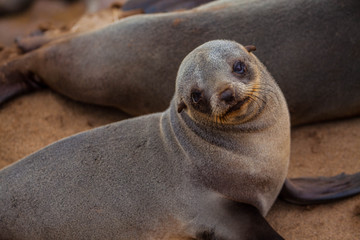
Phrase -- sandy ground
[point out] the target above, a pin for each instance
(36, 120)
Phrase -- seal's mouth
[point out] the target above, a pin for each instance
(225, 117)
(237, 106)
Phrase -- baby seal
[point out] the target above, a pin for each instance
(209, 167)
(224, 140)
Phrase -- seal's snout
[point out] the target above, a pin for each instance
(227, 96)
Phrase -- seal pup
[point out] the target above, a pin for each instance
(159, 176)
(209, 167)
(310, 46)
(189, 172)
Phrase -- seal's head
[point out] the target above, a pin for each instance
(222, 82)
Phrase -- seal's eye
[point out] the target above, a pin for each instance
(196, 96)
(239, 67)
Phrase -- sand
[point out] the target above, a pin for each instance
(33, 121)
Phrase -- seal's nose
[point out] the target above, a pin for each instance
(227, 95)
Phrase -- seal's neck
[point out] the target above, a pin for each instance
(226, 159)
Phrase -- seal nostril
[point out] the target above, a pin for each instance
(196, 96)
(227, 95)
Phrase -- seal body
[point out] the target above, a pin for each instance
(310, 47)
(179, 174)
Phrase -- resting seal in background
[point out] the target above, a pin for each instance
(209, 167)
(311, 47)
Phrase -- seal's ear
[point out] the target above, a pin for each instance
(250, 48)
(181, 106)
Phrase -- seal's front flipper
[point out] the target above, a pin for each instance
(153, 6)
(253, 224)
(240, 222)
(14, 82)
(304, 191)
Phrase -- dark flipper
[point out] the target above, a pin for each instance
(153, 6)
(35, 40)
(244, 222)
(255, 225)
(305, 191)
(14, 83)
